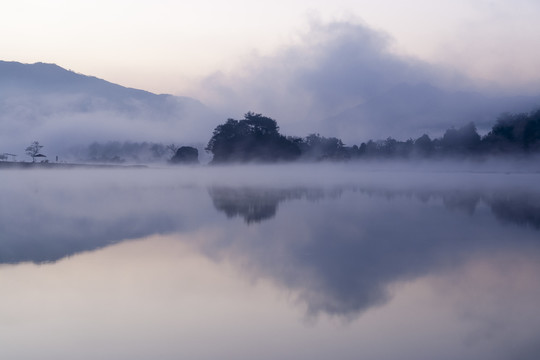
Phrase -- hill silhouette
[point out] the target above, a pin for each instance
(61, 108)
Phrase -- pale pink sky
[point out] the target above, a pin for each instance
(165, 46)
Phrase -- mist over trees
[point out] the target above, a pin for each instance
(116, 152)
(512, 134)
(257, 138)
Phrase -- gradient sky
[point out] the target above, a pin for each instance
(165, 46)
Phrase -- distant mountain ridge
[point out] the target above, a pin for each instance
(61, 108)
(40, 77)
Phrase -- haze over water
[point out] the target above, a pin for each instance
(289, 262)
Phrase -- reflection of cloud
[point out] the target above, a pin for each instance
(338, 247)
(341, 254)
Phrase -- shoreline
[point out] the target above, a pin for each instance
(35, 165)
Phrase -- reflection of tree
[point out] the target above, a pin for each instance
(341, 257)
(256, 204)
(252, 204)
(521, 209)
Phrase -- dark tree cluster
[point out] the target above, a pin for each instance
(317, 147)
(512, 134)
(254, 138)
(461, 141)
(257, 138)
(185, 155)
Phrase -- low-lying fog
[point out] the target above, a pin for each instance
(87, 208)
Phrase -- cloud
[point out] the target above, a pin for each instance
(331, 68)
(348, 265)
(343, 79)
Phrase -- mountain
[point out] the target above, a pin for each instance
(409, 110)
(61, 108)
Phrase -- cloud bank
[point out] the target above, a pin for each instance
(343, 79)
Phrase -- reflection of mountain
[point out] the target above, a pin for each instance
(52, 237)
(54, 221)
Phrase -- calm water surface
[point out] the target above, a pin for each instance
(269, 263)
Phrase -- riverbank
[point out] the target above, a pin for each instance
(35, 165)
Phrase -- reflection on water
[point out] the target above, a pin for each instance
(343, 253)
(346, 250)
(256, 204)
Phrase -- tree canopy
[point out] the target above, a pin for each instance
(257, 138)
(254, 138)
(34, 150)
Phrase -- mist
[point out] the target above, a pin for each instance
(49, 214)
(341, 79)
(62, 109)
(344, 79)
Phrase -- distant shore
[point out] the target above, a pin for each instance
(40, 165)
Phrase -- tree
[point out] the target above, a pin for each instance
(464, 140)
(172, 148)
(514, 133)
(319, 147)
(254, 138)
(186, 155)
(33, 150)
(423, 146)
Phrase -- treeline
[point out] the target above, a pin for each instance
(117, 152)
(257, 138)
(511, 134)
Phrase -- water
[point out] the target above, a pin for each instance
(269, 263)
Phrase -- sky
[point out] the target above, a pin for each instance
(167, 46)
(353, 69)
